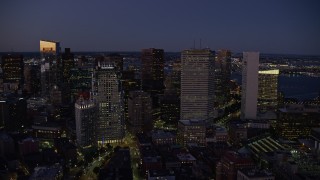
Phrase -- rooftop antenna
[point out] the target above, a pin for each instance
(194, 44)
(200, 43)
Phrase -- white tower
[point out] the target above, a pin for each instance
(249, 92)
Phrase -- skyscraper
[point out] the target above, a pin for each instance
(12, 68)
(50, 51)
(268, 90)
(67, 63)
(140, 111)
(152, 77)
(152, 73)
(249, 92)
(107, 92)
(86, 117)
(197, 84)
(222, 75)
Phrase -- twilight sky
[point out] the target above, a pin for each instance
(269, 26)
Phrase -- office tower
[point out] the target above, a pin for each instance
(152, 72)
(80, 81)
(222, 75)
(191, 131)
(107, 92)
(129, 83)
(197, 84)
(268, 90)
(32, 78)
(170, 108)
(67, 63)
(170, 102)
(249, 92)
(50, 72)
(12, 68)
(139, 111)
(86, 116)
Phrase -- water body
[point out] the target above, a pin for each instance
(301, 87)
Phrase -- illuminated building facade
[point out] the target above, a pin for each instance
(86, 117)
(191, 131)
(80, 81)
(296, 121)
(47, 131)
(139, 111)
(197, 84)
(268, 90)
(249, 92)
(50, 51)
(222, 73)
(12, 67)
(107, 92)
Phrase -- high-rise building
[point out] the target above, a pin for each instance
(12, 68)
(67, 63)
(107, 92)
(32, 78)
(86, 116)
(80, 81)
(139, 111)
(129, 83)
(268, 90)
(170, 102)
(152, 73)
(50, 51)
(249, 92)
(222, 73)
(197, 84)
(113, 59)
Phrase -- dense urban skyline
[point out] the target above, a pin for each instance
(271, 27)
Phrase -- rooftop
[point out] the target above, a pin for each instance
(256, 173)
(192, 122)
(300, 108)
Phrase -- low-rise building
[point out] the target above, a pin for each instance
(28, 146)
(296, 120)
(161, 137)
(254, 174)
(191, 131)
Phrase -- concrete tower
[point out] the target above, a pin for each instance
(249, 93)
(197, 84)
